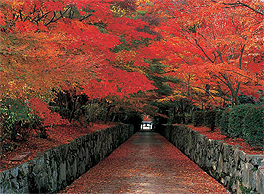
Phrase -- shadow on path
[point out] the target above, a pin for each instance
(146, 163)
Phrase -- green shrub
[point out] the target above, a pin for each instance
(236, 117)
(253, 125)
(209, 119)
(179, 118)
(14, 122)
(198, 118)
(218, 117)
(175, 118)
(92, 112)
(14, 119)
(224, 122)
(187, 118)
(244, 99)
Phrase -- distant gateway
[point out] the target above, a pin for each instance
(146, 125)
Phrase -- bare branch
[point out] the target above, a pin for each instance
(206, 93)
(241, 55)
(54, 15)
(238, 3)
(239, 74)
(44, 15)
(51, 20)
(203, 51)
(85, 17)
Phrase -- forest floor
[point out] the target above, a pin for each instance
(216, 135)
(61, 134)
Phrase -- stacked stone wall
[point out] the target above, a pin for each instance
(240, 172)
(59, 167)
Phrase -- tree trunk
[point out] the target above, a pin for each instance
(73, 109)
(107, 113)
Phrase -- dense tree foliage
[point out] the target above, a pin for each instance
(66, 45)
(120, 54)
(215, 48)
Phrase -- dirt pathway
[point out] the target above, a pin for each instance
(146, 163)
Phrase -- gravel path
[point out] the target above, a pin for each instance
(146, 163)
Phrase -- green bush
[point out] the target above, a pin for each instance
(198, 118)
(244, 99)
(209, 119)
(218, 117)
(187, 118)
(253, 125)
(92, 112)
(224, 122)
(236, 117)
(175, 118)
(14, 122)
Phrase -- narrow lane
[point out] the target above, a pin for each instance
(146, 163)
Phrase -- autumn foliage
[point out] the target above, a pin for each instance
(66, 45)
(216, 48)
(206, 52)
(101, 48)
(49, 119)
(52, 50)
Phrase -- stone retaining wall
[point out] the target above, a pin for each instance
(240, 172)
(59, 167)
